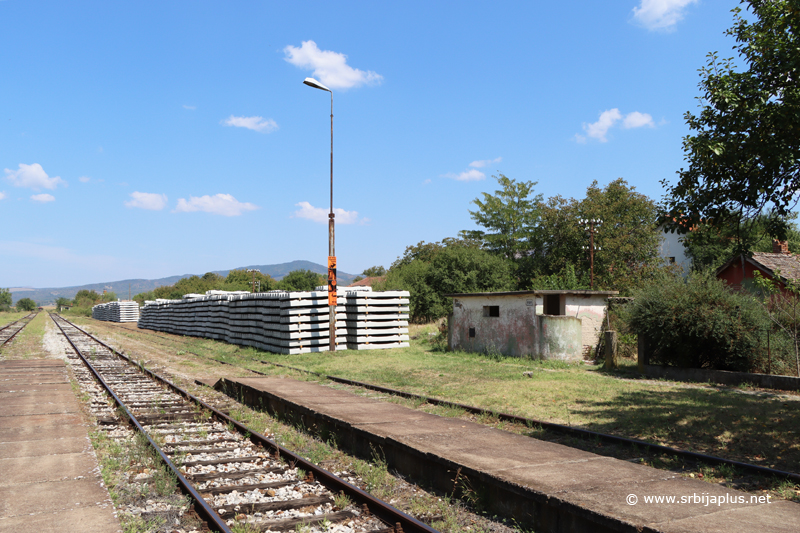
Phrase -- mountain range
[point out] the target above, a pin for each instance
(132, 287)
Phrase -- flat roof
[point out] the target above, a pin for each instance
(534, 293)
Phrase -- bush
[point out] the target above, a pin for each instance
(698, 322)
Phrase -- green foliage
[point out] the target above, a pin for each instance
(710, 245)
(698, 322)
(429, 271)
(62, 302)
(5, 299)
(510, 217)
(374, 271)
(26, 304)
(782, 302)
(242, 280)
(744, 155)
(626, 241)
(302, 280)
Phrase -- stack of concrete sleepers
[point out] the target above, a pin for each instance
(376, 320)
(116, 311)
(285, 322)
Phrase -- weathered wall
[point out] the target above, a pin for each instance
(591, 310)
(518, 329)
(515, 332)
(560, 337)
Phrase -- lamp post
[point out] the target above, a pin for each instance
(590, 225)
(311, 82)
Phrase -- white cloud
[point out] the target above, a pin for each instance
(32, 176)
(597, 130)
(147, 200)
(468, 175)
(329, 67)
(637, 120)
(2, 195)
(608, 119)
(189, 107)
(43, 198)
(252, 123)
(84, 179)
(660, 14)
(320, 214)
(483, 162)
(219, 204)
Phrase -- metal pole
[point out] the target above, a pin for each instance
(331, 258)
(591, 254)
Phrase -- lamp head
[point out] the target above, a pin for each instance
(311, 82)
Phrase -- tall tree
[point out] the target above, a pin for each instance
(744, 157)
(510, 217)
(626, 240)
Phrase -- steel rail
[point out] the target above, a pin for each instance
(403, 523)
(575, 432)
(29, 317)
(204, 510)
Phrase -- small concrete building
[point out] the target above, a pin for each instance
(554, 324)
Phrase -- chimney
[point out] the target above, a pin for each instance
(780, 247)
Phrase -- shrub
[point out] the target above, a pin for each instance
(698, 322)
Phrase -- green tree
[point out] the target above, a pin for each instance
(26, 304)
(5, 299)
(374, 271)
(711, 245)
(431, 270)
(626, 241)
(302, 280)
(744, 155)
(510, 217)
(242, 280)
(62, 302)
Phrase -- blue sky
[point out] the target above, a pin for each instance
(147, 139)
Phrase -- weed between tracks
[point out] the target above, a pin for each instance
(443, 512)
(759, 427)
(143, 489)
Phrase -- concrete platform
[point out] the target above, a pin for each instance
(546, 486)
(50, 479)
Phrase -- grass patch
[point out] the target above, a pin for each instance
(748, 425)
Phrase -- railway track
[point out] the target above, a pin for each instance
(9, 331)
(584, 434)
(236, 477)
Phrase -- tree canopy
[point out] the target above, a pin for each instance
(26, 304)
(5, 299)
(744, 154)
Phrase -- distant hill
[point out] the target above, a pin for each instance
(135, 286)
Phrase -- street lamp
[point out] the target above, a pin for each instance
(311, 82)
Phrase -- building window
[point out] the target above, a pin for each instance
(671, 260)
(491, 310)
(471, 333)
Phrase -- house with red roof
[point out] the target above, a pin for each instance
(780, 265)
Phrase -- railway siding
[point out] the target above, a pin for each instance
(547, 486)
(229, 472)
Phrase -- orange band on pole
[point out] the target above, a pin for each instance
(331, 280)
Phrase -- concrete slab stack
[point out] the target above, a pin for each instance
(285, 322)
(116, 312)
(376, 320)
